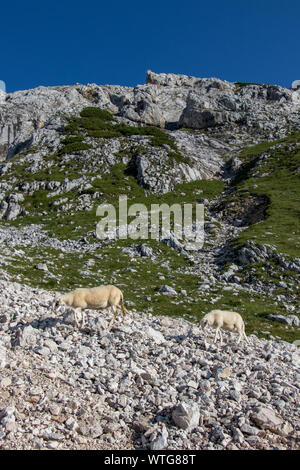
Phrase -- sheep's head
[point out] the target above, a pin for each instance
(58, 302)
(204, 321)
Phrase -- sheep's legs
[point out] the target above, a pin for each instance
(247, 339)
(218, 332)
(82, 319)
(221, 336)
(112, 321)
(241, 336)
(76, 318)
(123, 313)
(216, 335)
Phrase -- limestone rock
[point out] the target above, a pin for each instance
(292, 320)
(168, 290)
(155, 335)
(160, 439)
(266, 418)
(186, 416)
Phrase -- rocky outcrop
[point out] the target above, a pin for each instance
(166, 100)
(183, 81)
(2, 95)
(296, 85)
(255, 253)
(25, 112)
(292, 320)
(10, 208)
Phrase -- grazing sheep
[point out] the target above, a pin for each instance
(227, 320)
(94, 299)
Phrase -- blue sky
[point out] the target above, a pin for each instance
(115, 42)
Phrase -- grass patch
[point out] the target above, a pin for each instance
(120, 180)
(278, 178)
(74, 147)
(91, 112)
(111, 267)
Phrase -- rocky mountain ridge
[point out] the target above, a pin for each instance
(167, 101)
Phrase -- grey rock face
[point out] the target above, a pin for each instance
(2, 96)
(186, 416)
(25, 112)
(3, 208)
(167, 290)
(198, 115)
(145, 250)
(266, 418)
(166, 100)
(252, 253)
(13, 211)
(292, 320)
(296, 85)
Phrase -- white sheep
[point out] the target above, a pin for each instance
(227, 320)
(95, 298)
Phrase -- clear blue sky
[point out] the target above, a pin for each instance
(115, 42)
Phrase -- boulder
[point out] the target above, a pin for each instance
(266, 418)
(167, 290)
(155, 335)
(186, 416)
(291, 320)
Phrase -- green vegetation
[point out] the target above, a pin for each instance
(111, 264)
(97, 113)
(73, 144)
(240, 85)
(117, 182)
(278, 178)
(98, 123)
(248, 153)
(193, 131)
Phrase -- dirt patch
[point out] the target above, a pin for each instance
(245, 211)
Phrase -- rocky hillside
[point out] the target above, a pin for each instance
(156, 382)
(177, 139)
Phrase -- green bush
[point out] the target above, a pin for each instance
(72, 139)
(98, 113)
(71, 128)
(104, 133)
(94, 123)
(74, 147)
